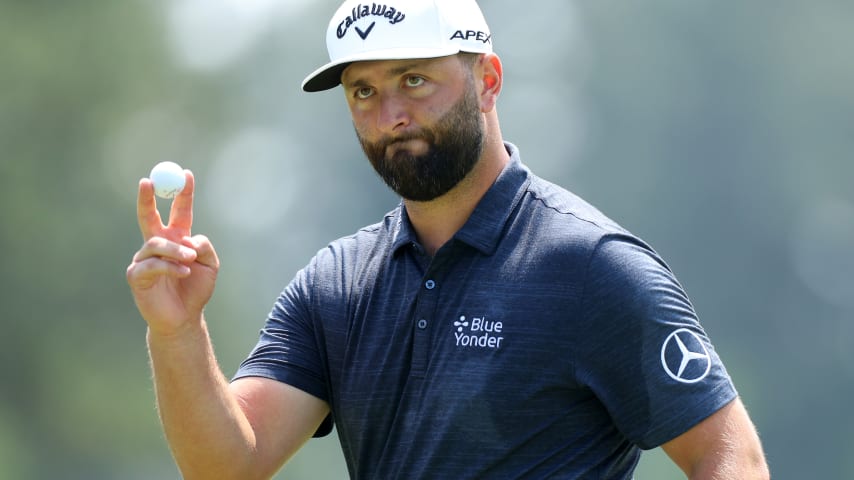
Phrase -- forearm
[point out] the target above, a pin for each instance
(207, 431)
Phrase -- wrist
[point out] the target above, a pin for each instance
(185, 333)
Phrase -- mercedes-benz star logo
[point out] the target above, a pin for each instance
(684, 356)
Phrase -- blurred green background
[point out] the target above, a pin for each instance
(721, 132)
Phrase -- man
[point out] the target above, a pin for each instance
(492, 326)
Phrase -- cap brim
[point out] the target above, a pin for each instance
(329, 75)
(325, 77)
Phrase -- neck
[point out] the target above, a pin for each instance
(436, 221)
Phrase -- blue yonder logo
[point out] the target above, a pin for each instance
(478, 332)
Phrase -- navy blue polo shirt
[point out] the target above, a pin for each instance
(542, 341)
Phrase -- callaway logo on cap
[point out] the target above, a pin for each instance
(396, 30)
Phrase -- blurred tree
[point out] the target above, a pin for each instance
(73, 362)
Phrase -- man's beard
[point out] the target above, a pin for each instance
(455, 144)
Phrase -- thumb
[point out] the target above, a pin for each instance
(205, 252)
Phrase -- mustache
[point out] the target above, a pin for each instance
(420, 134)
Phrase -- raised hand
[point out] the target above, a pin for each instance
(172, 276)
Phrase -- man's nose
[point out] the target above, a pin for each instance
(394, 114)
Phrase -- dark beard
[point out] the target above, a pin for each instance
(455, 144)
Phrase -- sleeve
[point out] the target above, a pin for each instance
(288, 349)
(648, 359)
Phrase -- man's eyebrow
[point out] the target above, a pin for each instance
(401, 69)
(391, 72)
(356, 83)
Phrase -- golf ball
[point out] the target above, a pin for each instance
(168, 179)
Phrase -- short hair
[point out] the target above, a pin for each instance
(469, 58)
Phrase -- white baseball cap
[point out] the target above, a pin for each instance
(397, 30)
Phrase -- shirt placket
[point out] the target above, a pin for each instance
(424, 319)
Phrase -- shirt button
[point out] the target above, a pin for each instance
(430, 284)
(422, 324)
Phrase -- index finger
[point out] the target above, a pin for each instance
(181, 213)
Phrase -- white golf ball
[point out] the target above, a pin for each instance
(168, 179)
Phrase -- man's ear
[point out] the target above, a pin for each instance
(492, 75)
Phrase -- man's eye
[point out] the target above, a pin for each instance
(364, 92)
(414, 81)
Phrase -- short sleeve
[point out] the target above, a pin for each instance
(645, 354)
(288, 349)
